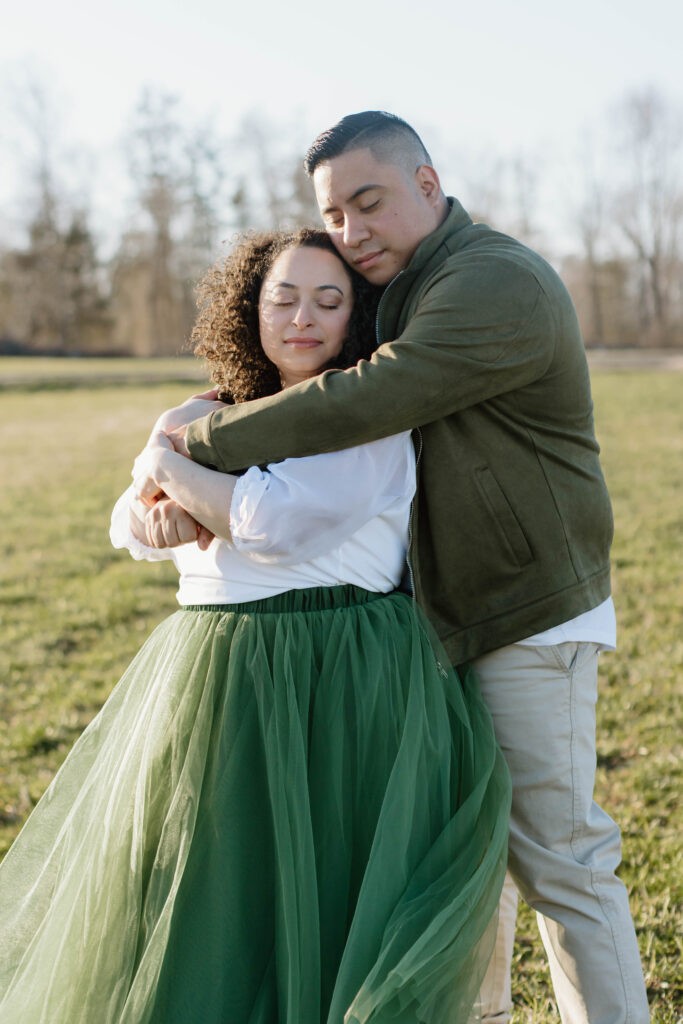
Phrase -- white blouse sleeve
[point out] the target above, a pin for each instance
(122, 536)
(301, 508)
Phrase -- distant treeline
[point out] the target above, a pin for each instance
(191, 191)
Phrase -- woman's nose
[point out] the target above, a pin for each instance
(302, 316)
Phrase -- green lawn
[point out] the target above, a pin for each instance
(639, 421)
(73, 611)
(40, 372)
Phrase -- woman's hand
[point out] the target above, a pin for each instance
(136, 520)
(166, 525)
(161, 472)
(147, 468)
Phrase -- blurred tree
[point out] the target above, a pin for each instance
(648, 208)
(610, 280)
(503, 191)
(155, 158)
(205, 179)
(590, 223)
(272, 189)
(193, 189)
(178, 180)
(52, 295)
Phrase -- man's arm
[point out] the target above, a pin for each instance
(474, 335)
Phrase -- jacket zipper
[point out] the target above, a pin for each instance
(441, 669)
(380, 304)
(411, 517)
(418, 456)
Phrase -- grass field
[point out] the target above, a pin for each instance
(73, 611)
(38, 373)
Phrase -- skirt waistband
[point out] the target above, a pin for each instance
(310, 599)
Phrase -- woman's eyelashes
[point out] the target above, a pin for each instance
(283, 303)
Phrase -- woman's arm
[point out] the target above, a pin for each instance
(205, 494)
(295, 510)
(299, 509)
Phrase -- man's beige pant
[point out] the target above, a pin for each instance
(563, 848)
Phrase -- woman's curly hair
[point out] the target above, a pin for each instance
(226, 331)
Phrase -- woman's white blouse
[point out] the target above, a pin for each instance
(341, 517)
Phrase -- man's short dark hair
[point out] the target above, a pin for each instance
(390, 139)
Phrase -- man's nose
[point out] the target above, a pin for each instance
(355, 231)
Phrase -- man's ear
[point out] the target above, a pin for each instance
(428, 184)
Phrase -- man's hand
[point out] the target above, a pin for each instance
(194, 408)
(177, 439)
(167, 525)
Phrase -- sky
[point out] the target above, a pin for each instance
(527, 78)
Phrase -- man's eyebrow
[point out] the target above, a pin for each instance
(359, 192)
(319, 288)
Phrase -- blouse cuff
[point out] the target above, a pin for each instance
(122, 536)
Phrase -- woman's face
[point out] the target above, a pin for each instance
(304, 309)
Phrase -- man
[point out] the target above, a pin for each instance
(479, 348)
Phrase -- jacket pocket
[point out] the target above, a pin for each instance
(500, 508)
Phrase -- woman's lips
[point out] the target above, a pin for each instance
(303, 342)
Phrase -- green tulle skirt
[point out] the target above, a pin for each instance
(287, 812)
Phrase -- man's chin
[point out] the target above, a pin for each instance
(380, 278)
(377, 273)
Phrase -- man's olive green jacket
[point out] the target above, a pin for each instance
(479, 347)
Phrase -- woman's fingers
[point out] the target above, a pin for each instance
(186, 527)
(137, 521)
(145, 470)
(204, 538)
(168, 525)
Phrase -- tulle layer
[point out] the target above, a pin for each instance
(287, 812)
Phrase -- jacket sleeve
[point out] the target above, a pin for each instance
(477, 332)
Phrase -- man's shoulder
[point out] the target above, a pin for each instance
(489, 263)
(477, 243)
(477, 273)
(479, 259)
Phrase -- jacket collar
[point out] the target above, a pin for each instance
(456, 219)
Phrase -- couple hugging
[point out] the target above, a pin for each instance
(392, 533)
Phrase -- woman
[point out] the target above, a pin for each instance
(288, 809)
